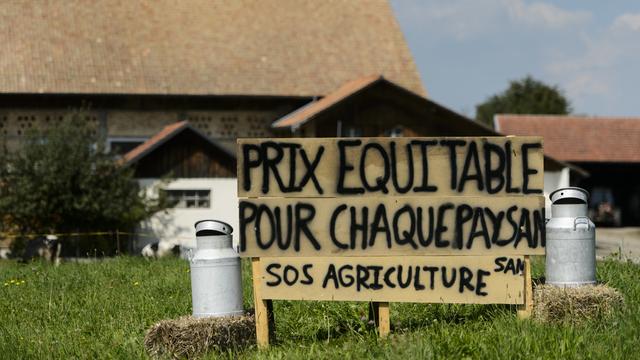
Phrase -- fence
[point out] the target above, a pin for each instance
(85, 244)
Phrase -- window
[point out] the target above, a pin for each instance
(188, 199)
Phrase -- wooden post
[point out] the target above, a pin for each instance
(384, 325)
(525, 310)
(118, 242)
(264, 308)
(379, 314)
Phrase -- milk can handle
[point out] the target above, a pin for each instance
(580, 220)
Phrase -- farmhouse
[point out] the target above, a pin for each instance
(608, 148)
(202, 185)
(134, 67)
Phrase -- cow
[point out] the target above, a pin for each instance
(45, 247)
(5, 253)
(160, 249)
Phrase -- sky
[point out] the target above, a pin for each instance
(468, 50)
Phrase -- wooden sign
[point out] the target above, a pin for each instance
(433, 279)
(435, 220)
(389, 166)
(386, 226)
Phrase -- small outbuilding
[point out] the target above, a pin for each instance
(607, 147)
(374, 106)
(195, 173)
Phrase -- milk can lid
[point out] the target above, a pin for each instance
(574, 193)
(213, 227)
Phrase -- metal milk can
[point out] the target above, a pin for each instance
(571, 240)
(216, 285)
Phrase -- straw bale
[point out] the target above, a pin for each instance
(188, 337)
(575, 305)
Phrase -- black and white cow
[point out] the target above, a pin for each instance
(160, 249)
(45, 247)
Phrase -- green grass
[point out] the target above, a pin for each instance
(102, 310)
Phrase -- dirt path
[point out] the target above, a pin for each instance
(623, 243)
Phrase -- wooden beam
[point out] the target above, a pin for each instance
(525, 310)
(263, 308)
(384, 324)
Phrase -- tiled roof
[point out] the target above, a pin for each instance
(358, 86)
(199, 47)
(167, 133)
(579, 138)
(353, 88)
(315, 107)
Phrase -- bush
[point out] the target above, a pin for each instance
(63, 181)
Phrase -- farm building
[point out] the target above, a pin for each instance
(133, 68)
(227, 67)
(137, 70)
(202, 186)
(375, 106)
(608, 148)
(367, 106)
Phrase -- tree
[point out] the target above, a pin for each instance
(525, 96)
(62, 180)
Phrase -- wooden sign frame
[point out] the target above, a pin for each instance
(379, 312)
(526, 181)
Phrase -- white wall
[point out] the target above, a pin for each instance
(176, 225)
(554, 180)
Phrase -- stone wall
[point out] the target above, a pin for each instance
(224, 126)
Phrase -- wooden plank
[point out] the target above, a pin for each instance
(422, 279)
(262, 306)
(525, 310)
(384, 323)
(393, 226)
(331, 167)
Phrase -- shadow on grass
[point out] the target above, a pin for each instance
(412, 317)
(311, 321)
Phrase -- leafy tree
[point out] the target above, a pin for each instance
(525, 96)
(62, 180)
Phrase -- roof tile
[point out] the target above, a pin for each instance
(579, 138)
(315, 107)
(199, 47)
(154, 141)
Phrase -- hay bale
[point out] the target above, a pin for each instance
(188, 337)
(575, 305)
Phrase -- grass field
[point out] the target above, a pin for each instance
(101, 310)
